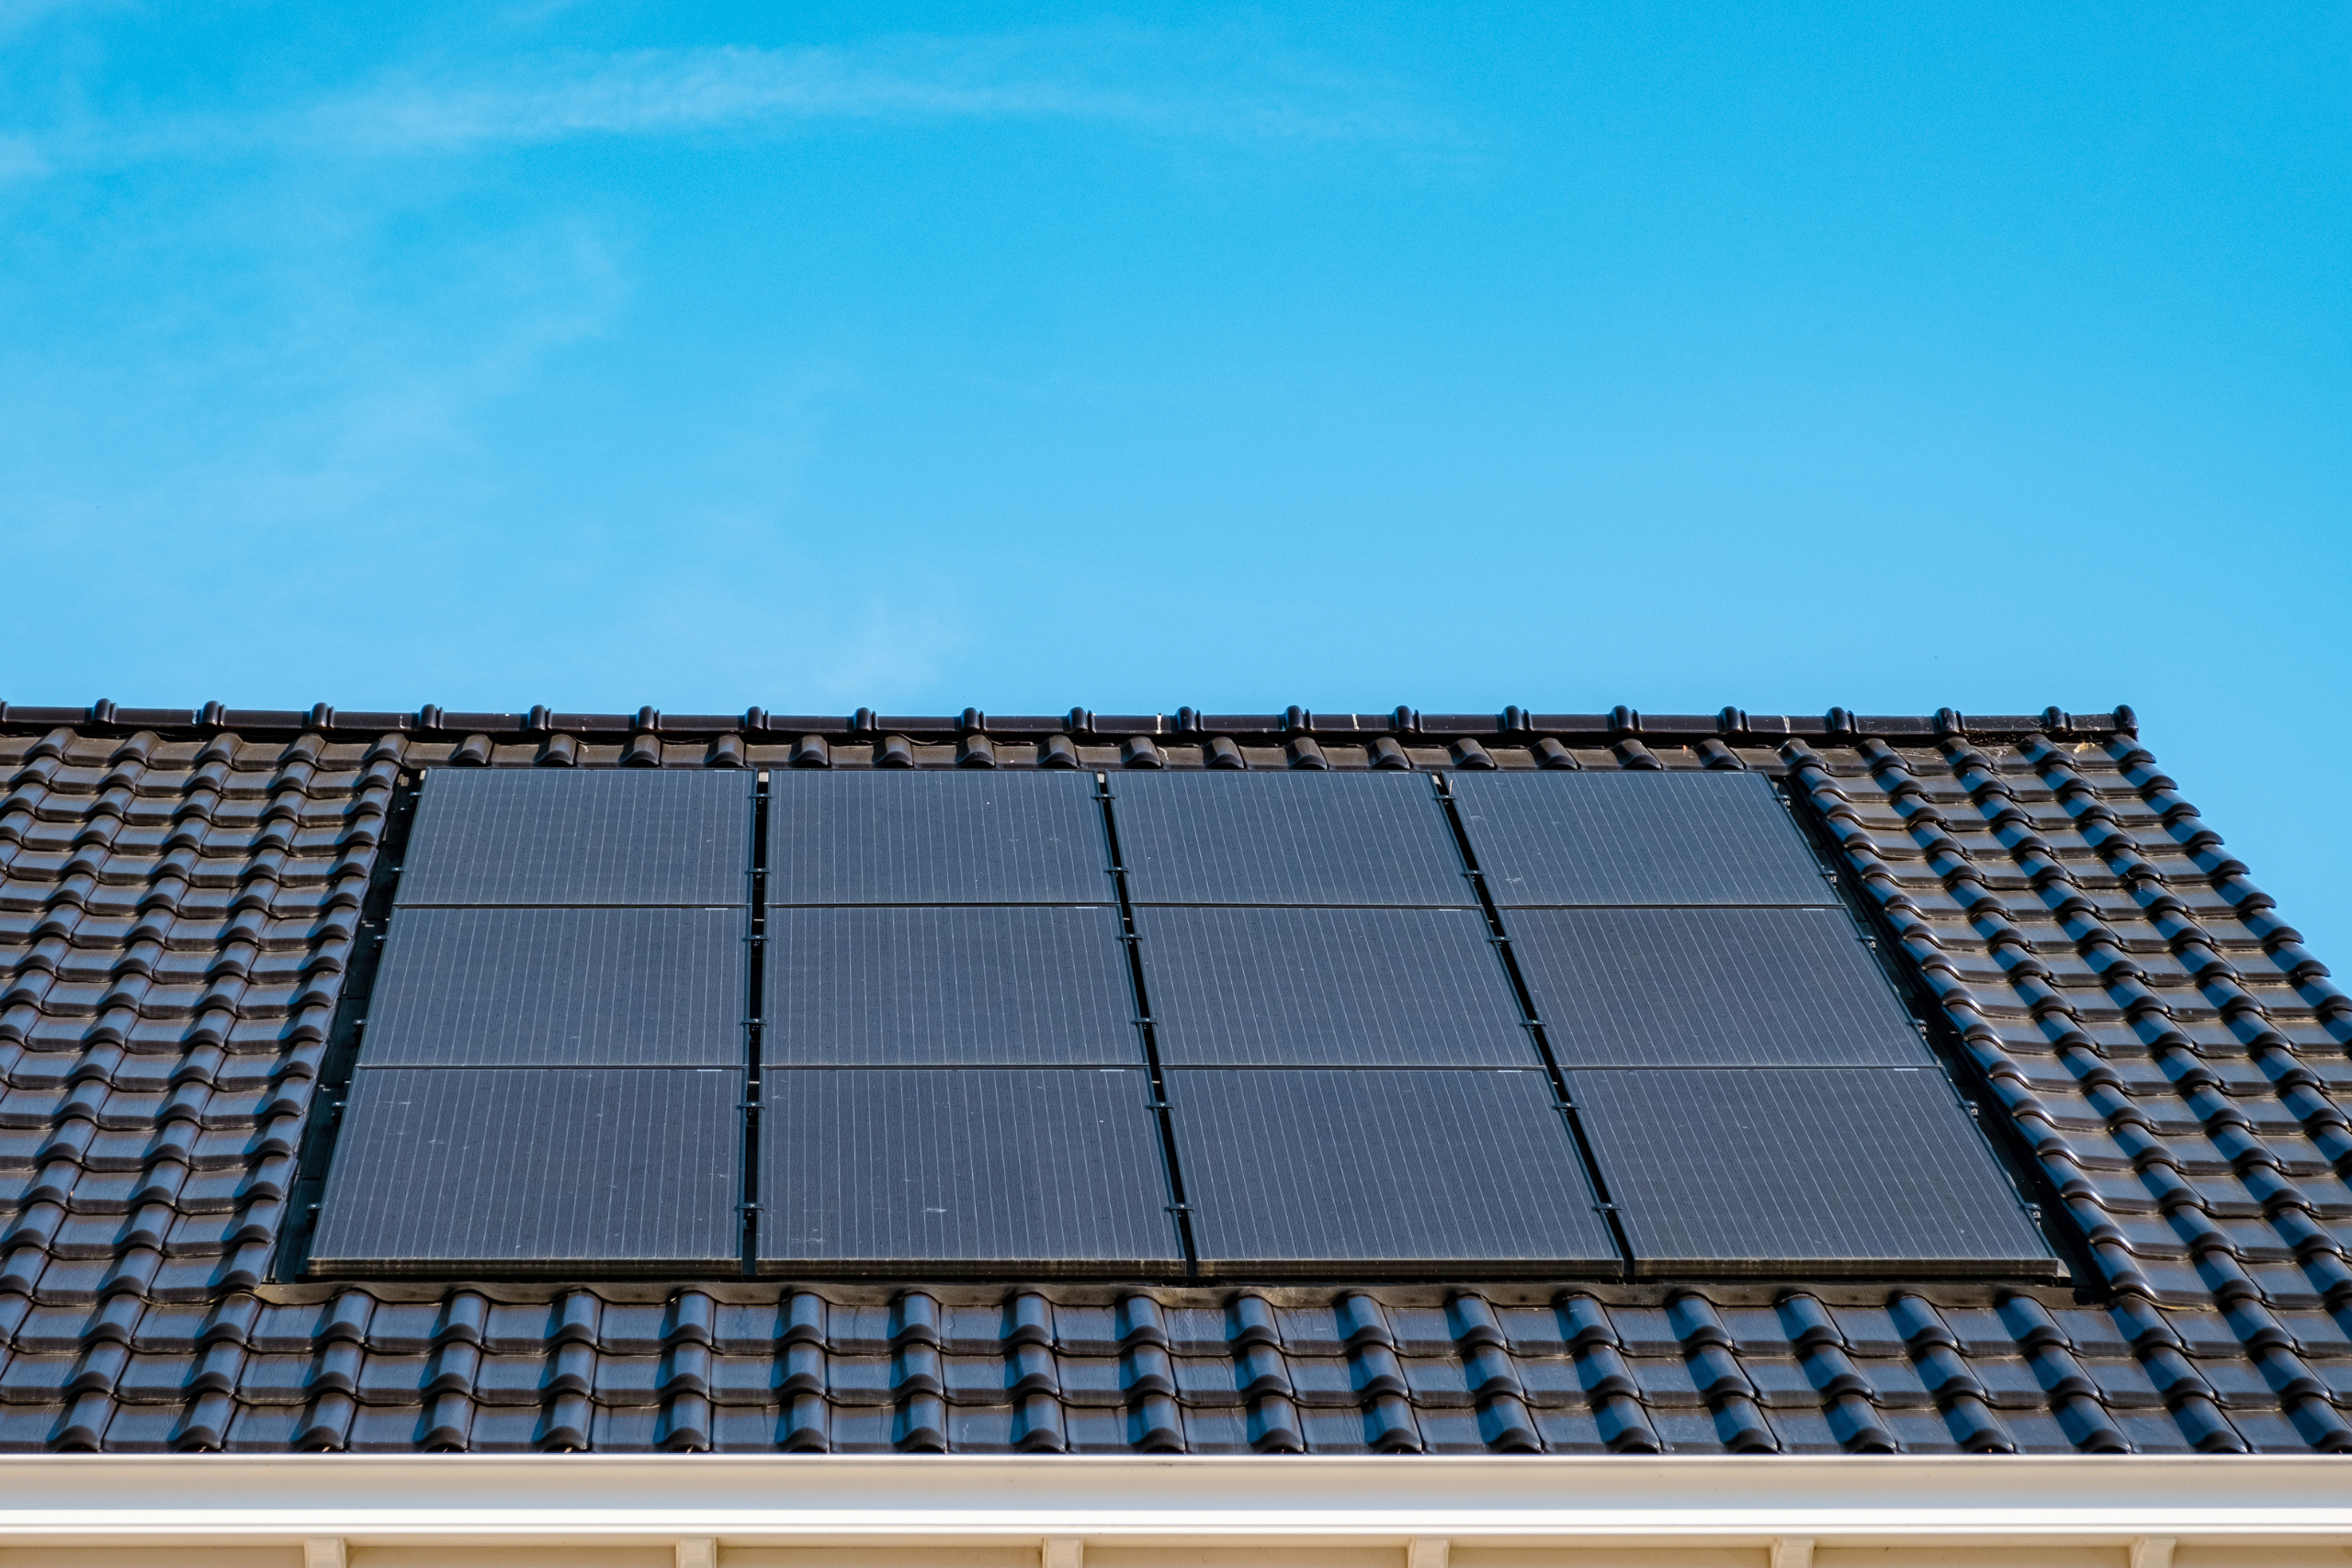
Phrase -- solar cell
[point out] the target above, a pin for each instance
(580, 836)
(1329, 988)
(1038, 985)
(1730, 1172)
(1308, 838)
(1711, 988)
(969, 836)
(442, 1169)
(592, 987)
(1635, 838)
(1309, 1170)
(1050, 1171)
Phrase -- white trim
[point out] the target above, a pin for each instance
(811, 1499)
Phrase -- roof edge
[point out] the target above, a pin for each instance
(1511, 725)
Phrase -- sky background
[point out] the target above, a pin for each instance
(1023, 357)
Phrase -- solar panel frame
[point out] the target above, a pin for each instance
(580, 836)
(1245, 985)
(1711, 986)
(1291, 838)
(566, 986)
(1384, 1172)
(1738, 1172)
(940, 836)
(442, 1170)
(948, 986)
(1566, 838)
(1044, 1172)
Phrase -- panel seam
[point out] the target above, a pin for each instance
(1147, 1027)
(754, 1022)
(1533, 1022)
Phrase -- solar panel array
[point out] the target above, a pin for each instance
(955, 939)
(1052, 1023)
(1754, 1094)
(1314, 940)
(555, 1067)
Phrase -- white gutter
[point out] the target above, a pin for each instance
(843, 1499)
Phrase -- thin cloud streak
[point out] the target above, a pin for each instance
(1155, 84)
(658, 92)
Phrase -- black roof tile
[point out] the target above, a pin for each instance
(184, 897)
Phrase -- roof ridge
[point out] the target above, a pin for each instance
(1620, 723)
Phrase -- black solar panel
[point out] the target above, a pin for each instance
(1635, 838)
(437, 1168)
(1711, 988)
(1042, 985)
(1727, 1171)
(1307, 838)
(561, 988)
(970, 836)
(1045, 1171)
(1329, 988)
(580, 836)
(1317, 1170)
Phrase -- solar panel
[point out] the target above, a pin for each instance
(1308, 838)
(1041, 984)
(561, 988)
(1711, 988)
(1045, 1171)
(970, 836)
(441, 1169)
(1729, 1171)
(1329, 988)
(1315, 1170)
(580, 836)
(1635, 838)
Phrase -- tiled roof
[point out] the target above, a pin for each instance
(184, 896)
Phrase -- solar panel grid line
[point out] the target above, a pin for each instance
(1374, 839)
(1180, 1207)
(1295, 1171)
(1699, 986)
(1531, 1018)
(1631, 839)
(1254, 986)
(440, 1168)
(755, 1007)
(964, 837)
(949, 986)
(1053, 1171)
(1829, 1171)
(555, 837)
(568, 986)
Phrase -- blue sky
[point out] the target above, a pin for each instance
(920, 357)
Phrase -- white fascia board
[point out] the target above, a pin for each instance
(813, 1499)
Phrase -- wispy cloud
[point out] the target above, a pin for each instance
(1129, 79)
(1181, 87)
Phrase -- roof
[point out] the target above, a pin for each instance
(188, 923)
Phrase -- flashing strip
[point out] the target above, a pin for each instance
(908, 1500)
